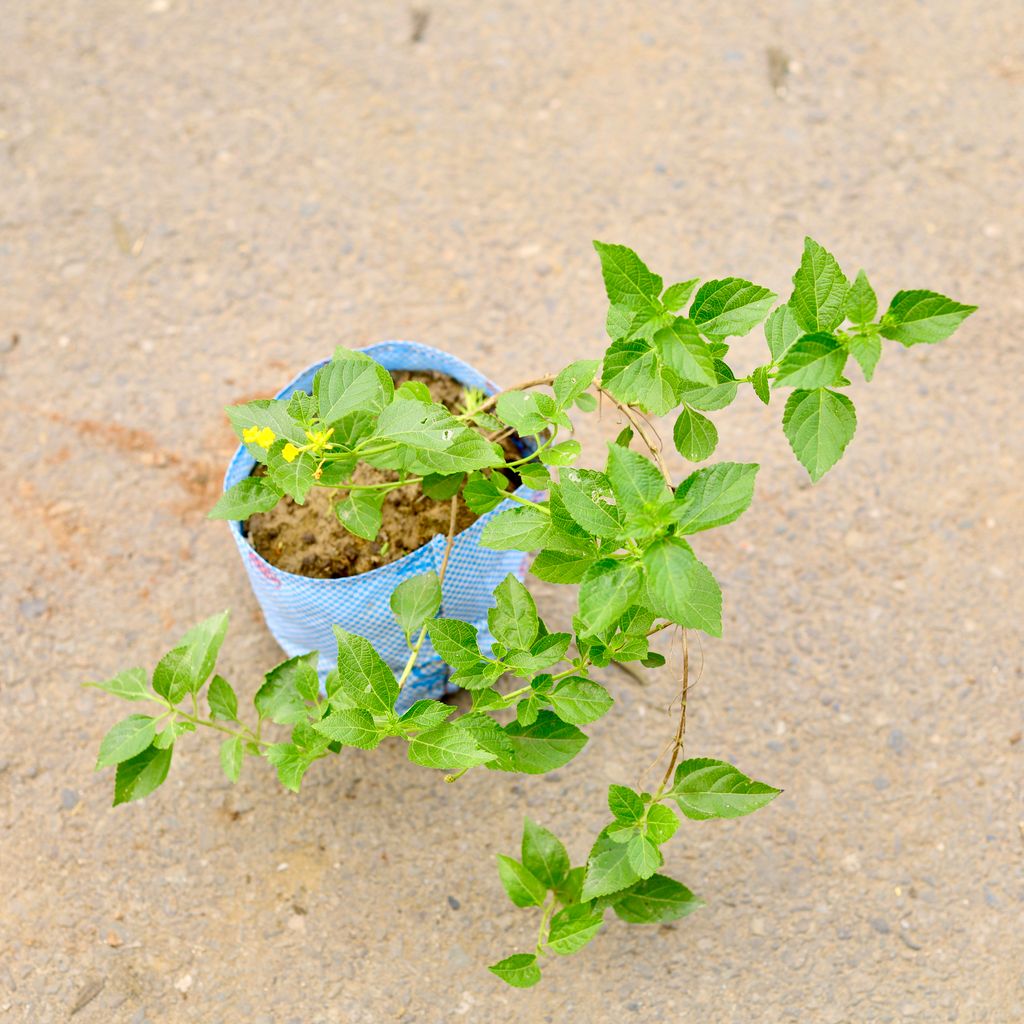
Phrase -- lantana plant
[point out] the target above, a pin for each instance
(624, 531)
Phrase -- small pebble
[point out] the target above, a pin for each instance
(880, 925)
(68, 799)
(453, 903)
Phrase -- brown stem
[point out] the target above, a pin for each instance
(655, 449)
(451, 538)
(535, 383)
(677, 743)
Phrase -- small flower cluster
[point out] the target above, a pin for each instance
(265, 437)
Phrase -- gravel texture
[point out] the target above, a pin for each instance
(198, 200)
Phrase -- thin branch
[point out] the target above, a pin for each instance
(677, 743)
(535, 383)
(415, 652)
(655, 449)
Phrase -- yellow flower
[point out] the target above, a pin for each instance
(264, 437)
(288, 452)
(319, 438)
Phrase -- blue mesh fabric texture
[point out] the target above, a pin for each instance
(300, 611)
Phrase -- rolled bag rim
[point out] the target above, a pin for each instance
(430, 675)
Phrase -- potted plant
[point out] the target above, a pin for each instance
(624, 532)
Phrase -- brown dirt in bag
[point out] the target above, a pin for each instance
(308, 539)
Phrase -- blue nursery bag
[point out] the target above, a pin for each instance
(300, 611)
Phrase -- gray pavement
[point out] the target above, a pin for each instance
(197, 199)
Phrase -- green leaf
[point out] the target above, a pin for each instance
(351, 727)
(609, 588)
(566, 534)
(466, 451)
(759, 381)
(545, 745)
(816, 360)
(248, 496)
(544, 856)
(580, 701)
(619, 322)
(572, 928)
(519, 970)
(632, 371)
(681, 588)
(351, 431)
(564, 454)
(574, 380)
(415, 601)
(561, 566)
(414, 390)
(656, 900)
(442, 488)
(360, 513)
(286, 688)
(682, 348)
(480, 675)
(126, 739)
(644, 856)
(455, 641)
(425, 714)
(365, 675)
(819, 290)
(695, 436)
(867, 350)
(291, 764)
(676, 294)
(140, 775)
(523, 888)
(781, 330)
(352, 382)
(231, 755)
(923, 317)
(586, 402)
(590, 501)
(513, 620)
(222, 700)
(204, 641)
(570, 890)
(266, 412)
(661, 824)
(861, 301)
(535, 474)
(730, 306)
(128, 685)
(427, 429)
(714, 496)
(296, 477)
(447, 746)
(625, 804)
(547, 650)
(636, 483)
(482, 493)
(819, 424)
(302, 407)
(172, 677)
(608, 869)
(522, 411)
(523, 528)
(626, 277)
(709, 397)
(705, 788)
(167, 736)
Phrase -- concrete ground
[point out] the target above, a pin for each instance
(198, 199)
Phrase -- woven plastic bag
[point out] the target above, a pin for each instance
(300, 611)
